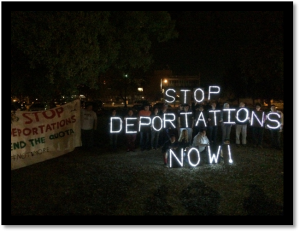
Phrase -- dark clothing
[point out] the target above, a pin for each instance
(212, 133)
(114, 125)
(258, 118)
(164, 134)
(212, 125)
(145, 140)
(87, 138)
(275, 138)
(145, 132)
(182, 145)
(257, 135)
(155, 129)
(182, 117)
(131, 137)
(227, 118)
(168, 145)
(257, 127)
(274, 133)
(113, 141)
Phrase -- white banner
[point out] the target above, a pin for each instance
(37, 136)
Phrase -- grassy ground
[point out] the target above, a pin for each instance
(98, 183)
(101, 182)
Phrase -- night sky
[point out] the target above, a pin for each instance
(208, 41)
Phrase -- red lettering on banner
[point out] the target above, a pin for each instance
(34, 131)
(55, 112)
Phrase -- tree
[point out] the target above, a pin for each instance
(235, 84)
(74, 48)
(262, 60)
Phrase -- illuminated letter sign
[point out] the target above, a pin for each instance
(160, 123)
(215, 117)
(246, 117)
(169, 120)
(229, 122)
(203, 119)
(144, 124)
(111, 124)
(196, 93)
(185, 96)
(212, 158)
(261, 114)
(127, 125)
(273, 120)
(170, 96)
(211, 87)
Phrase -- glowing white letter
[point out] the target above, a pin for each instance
(167, 95)
(111, 124)
(209, 91)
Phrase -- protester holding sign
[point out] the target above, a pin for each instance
(145, 128)
(241, 119)
(186, 121)
(226, 124)
(201, 116)
(212, 123)
(131, 120)
(164, 134)
(88, 125)
(275, 125)
(257, 125)
(113, 137)
(155, 128)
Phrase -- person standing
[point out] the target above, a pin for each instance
(145, 130)
(131, 137)
(275, 127)
(155, 128)
(113, 137)
(241, 121)
(186, 121)
(212, 123)
(256, 126)
(200, 119)
(164, 134)
(88, 126)
(226, 124)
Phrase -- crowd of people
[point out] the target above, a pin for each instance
(196, 126)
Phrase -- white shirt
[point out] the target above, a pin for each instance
(200, 142)
(88, 118)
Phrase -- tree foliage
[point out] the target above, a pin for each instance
(62, 50)
(262, 61)
(258, 72)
